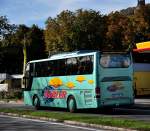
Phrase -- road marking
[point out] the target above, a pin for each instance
(54, 123)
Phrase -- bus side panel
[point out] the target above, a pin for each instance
(27, 98)
(84, 90)
(54, 91)
(141, 78)
(142, 82)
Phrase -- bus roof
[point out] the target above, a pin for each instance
(67, 55)
(75, 53)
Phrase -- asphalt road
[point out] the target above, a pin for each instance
(8, 123)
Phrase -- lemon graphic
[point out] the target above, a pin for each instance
(55, 82)
(90, 82)
(70, 84)
(80, 79)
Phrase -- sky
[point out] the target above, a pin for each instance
(31, 12)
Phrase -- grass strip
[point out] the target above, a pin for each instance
(100, 120)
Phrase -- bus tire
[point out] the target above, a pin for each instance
(71, 104)
(36, 102)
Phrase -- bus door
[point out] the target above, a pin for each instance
(28, 78)
(115, 79)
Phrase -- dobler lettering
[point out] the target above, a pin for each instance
(55, 94)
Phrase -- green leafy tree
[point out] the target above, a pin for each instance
(22, 45)
(58, 33)
(31, 41)
(84, 29)
(21, 39)
(36, 48)
(89, 29)
(6, 29)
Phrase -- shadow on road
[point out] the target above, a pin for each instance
(105, 111)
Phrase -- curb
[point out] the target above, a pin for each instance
(68, 122)
(97, 126)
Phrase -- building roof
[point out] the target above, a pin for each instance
(4, 76)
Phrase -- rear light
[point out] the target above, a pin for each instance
(97, 91)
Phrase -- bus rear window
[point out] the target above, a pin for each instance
(115, 60)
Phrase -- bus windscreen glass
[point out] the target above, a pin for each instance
(115, 60)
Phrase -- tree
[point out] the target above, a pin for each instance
(89, 30)
(120, 31)
(31, 40)
(6, 29)
(141, 22)
(84, 29)
(20, 38)
(23, 45)
(58, 33)
(36, 48)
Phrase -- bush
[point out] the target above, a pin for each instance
(11, 95)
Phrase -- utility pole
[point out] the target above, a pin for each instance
(24, 60)
(24, 53)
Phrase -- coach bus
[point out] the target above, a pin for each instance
(141, 57)
(79, 80)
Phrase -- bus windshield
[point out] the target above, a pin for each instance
(115, 60)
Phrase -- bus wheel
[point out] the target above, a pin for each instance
(71, 104)
(36, 102)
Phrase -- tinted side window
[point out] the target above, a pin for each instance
(49, 68)
(71, 66)
(54, 68)
(37, 69)
(89, 64)
(57, 68)
(31, 69)
(41, 69)
(62, 67)
(85, 65)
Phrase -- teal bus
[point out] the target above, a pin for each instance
(80, 80)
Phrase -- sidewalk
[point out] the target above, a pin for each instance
(11, 101)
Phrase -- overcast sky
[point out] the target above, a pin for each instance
(37, 11)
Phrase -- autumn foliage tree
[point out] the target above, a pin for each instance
(120, 31)
(84, 29)
(141, 23)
